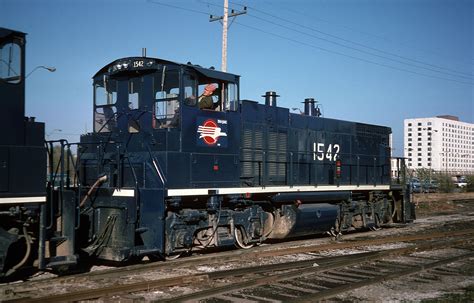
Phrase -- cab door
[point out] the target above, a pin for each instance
(212, 140)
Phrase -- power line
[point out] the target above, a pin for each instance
(359, 50)
(349, 47)
(417, 48)
(178, 7)
(350, 56)
(321, 48)
(470, 76)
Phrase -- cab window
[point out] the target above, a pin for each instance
(209, 96)
(166, 94)
(10, 63)
(105, 92)
(105, 97)
(232, 98)
(105, 119)
(134, 92)
(217, 95)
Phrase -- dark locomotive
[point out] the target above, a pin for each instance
(22, 159)
(160, 176)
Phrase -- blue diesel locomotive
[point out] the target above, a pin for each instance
(177, 162)
(165, 174)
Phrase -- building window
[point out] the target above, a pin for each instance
(409, 124)
(419, 123)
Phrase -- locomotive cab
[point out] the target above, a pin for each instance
(144, 94)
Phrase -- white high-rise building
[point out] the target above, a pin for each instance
(442, 143)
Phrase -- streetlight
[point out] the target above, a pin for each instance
(48, 68)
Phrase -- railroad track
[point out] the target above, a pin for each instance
(312, 284)
(248, 277)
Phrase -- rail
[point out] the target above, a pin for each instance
(272, 273)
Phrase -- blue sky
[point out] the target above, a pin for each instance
(373, 61)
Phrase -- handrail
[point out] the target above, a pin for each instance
(157, 167)
(131, 167)
(54, 173)
(376, 172)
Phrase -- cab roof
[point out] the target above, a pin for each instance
(6, 33)
(207, 72)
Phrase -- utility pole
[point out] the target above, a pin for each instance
(225, 19)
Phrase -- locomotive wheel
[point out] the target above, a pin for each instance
(376, 226)
(240, 240)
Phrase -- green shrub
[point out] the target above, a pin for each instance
(470, 183)
(445, 184)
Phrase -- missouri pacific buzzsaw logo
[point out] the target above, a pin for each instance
(210, 131)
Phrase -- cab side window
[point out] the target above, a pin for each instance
(217, 95)
(10, 63)
(209, 96)
(232, 98)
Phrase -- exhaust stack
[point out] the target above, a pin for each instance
(271, 98)
(310, 109)
(309, 106)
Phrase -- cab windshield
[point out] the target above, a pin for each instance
(105, 97)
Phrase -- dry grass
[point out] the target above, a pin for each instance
(433, 203)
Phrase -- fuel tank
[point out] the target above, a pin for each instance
(304, 219)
